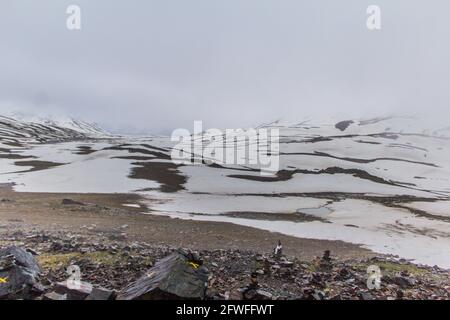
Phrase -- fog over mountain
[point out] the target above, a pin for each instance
(151, 66)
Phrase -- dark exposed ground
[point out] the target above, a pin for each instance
(105, 213)
(114, 245)
(36, 165)
(112, 261)
(165, 173)
(270, 216)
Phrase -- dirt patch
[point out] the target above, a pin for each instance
(36, 165)
(84, 150)
(271, 216)
(165, 173)
(343, 125)
(14, 156)
(44, 211)
(143, 150)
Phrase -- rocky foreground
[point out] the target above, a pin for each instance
(36, 265)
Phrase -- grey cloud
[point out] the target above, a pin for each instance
(150, 66)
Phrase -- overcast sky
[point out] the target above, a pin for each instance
(151, 66)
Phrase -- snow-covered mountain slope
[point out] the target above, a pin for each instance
(391, 152)
(392, 126)
(383, 183)
(20, 129)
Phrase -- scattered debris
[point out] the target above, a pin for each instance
(138, 270)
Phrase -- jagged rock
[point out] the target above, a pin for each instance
(317, 279)
(257, 294)
(366, 296)
(276, 267)
(177, 276)
(75, 290)
(313, 294)
(286, 264)
(263, 295)
(101, 294)
(403, 282)
(19, 274)
(344, 272)
(118, 237)
(233, 295)
(250, 292)
(54, 296)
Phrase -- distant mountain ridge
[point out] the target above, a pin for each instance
(19, 128)
(376, 125)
